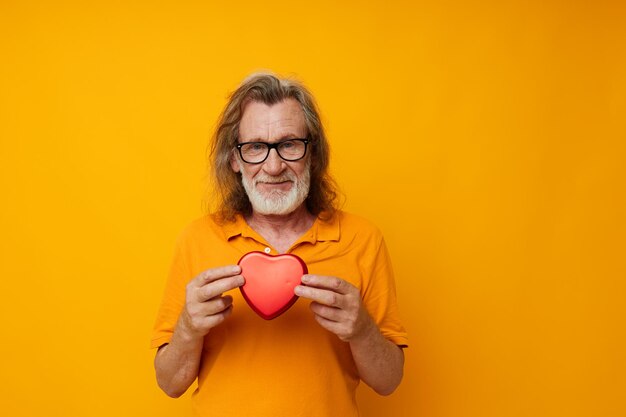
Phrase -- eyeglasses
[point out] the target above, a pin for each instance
(257, 152)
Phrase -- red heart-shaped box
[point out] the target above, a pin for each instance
(270, 281)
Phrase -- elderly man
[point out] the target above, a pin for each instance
(270, 165)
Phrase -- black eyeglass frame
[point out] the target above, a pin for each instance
(274, 145)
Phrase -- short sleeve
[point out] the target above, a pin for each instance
(173, 297)
(379, 295)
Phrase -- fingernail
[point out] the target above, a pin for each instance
(305, 278)
(298, 290)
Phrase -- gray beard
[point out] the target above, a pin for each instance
(277, 202)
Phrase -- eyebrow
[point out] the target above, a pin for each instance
(285, 137)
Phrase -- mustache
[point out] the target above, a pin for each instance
(275, 179)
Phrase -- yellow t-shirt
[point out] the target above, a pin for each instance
(288, 366)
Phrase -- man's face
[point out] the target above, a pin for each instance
(274, 186)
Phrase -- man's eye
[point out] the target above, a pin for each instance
(288, 144)
(256, 147)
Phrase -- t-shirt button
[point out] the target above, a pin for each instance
(267, 250)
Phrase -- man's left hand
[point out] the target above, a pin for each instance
(337, 306)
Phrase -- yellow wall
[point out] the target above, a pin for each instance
(485, 139)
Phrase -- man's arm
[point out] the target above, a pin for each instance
(177, 363)
(338, 308)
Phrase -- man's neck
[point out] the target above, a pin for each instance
(282, 231)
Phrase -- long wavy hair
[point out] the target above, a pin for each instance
(226, 196)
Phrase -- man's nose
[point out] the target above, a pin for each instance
(274, 164)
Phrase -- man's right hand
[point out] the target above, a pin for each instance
(205, 306)
(178, 362)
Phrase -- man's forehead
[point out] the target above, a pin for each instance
(266, 120)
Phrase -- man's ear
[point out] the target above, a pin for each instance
(234, 163)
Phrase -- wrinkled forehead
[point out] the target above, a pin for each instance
(262, 121)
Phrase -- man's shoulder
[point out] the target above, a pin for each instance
(357, 226)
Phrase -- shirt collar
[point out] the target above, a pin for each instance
(237, 227)
(321, 231)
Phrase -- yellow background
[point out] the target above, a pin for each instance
(486, 139)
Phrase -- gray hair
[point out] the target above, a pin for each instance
(230, 196)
